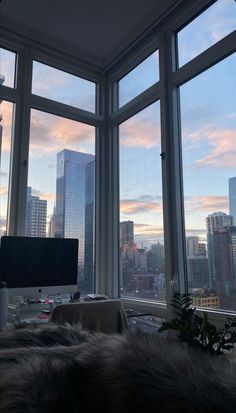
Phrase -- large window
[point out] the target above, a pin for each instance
(7, 68)
(141, 210)
(53, 157)
(209, 160)
(6, 109)
(7, 78)
(61, 186)
(207, 29)
(139, 79)
(63, 87)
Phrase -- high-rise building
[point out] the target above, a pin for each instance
(88, 286)
(36, 215)
(198, 272)
(232, 198)
(225, 260)
(70, 197)
(126, 232)
(214, 222)
(156, 258)
(194, 247)
(197, 264)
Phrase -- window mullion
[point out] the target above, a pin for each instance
(19, 160)
(107, 196)
(171, 167)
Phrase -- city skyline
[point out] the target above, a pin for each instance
(208, 133)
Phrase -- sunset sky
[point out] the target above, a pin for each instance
(208, 122)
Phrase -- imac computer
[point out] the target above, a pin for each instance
(33, 267)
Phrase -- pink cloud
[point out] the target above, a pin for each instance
(207, 204)
(223, 154)
(3, 191)
(6, 112)
(140, 132)
(50, 133)
(133, 206)
(48, 196)
(148, 230)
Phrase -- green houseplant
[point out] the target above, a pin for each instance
(197, 331)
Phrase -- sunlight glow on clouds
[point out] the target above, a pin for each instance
(207, 204)
(148, 234)
(6, 112)
(43, 195)
(3, 191)
(142, 129)
(141, 133)
(134, 206)
(223, 154)
(51, 134)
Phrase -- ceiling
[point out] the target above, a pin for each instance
(96, 30)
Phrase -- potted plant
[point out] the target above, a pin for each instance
(196, 330)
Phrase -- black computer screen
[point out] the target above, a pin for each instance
(34, 262)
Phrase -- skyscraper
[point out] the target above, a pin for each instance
(70, 197)
(197, 264)
(88, 286)
(225, 259)
(36, 215)
(214, 222)
(126, 232)
(232, 198)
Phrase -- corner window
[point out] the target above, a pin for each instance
(61, 186)
(142, 257)
(208, 118)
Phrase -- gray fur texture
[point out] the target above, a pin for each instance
(132, 373)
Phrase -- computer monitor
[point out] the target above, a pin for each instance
(33, 267)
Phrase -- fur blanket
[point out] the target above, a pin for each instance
(63, 369)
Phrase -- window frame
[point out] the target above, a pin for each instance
(107, 118)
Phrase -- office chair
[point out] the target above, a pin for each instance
(107, 316)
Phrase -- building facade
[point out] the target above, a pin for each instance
(232, 198)
(214, 222)
(225, 260)
(36, 215)
(88, 284)
(70, 208)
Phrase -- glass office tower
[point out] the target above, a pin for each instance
(70, 198)
(88, 285)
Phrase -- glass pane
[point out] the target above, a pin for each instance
(139, 79)
(208, 116)
(7, 67)
(6, 110)
(63, 87)
(207, 29)
(141, 209)
(61, 186)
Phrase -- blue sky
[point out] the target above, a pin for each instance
(208, 117)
